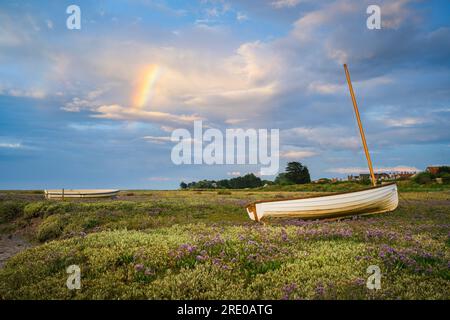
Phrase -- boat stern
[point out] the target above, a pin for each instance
(395, 200)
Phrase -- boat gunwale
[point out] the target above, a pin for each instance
(74, 192)
(322, 211)
(365, 198)
(80, 193)
(254, 203)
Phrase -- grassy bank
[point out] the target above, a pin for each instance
(201, 245)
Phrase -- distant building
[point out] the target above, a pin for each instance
(382, 176)
(402, 175)
(360, 177)
(435, 169)
(378, 176)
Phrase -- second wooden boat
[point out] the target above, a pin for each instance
(80, 193)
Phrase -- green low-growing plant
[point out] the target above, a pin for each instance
(423, 178)
(445, 178)
(10, 209)
(34, 209)
(51, 228)
(200, 261)
(188, 245)
(46, 208)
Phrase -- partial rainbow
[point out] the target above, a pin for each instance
(145, 86)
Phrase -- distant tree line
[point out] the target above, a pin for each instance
(247, 181)
(296, 173)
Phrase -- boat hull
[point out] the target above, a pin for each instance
(71, 193)
(374, 200)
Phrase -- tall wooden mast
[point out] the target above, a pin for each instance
(361, 131)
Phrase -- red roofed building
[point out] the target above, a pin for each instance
(434, 169)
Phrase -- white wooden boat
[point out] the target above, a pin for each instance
(373, 200)
(377, 199)
(80, 193)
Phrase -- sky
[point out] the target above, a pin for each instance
(95, 107)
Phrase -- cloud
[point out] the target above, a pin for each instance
(34, 93)
(7, 145)
(94, 126)
(404, 122)
(12, 34)
(289, 76)
(357, 170)
(234, 173)
(306, 26)
(156, 139)
(77, 104)
(297, 154)
(20, 93)
(324, 137)
(89, 102)
(159, 179)
(241, 17)
(8, 38)
(210, 86)
(49, 24)
(118, 112)
(324, 88)
(225, 99)
(278, 4)
(234, 121)
(394, 13)
(236, 83)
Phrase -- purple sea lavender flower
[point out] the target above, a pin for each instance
(139, 267)
(288, 290)
(251, 257)
(149, 272)
(188, 247)
(320, 290)
(345, 233)
(359, 281)
(284, 236)
(408, 237)
(200, 258)
(426, 255)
